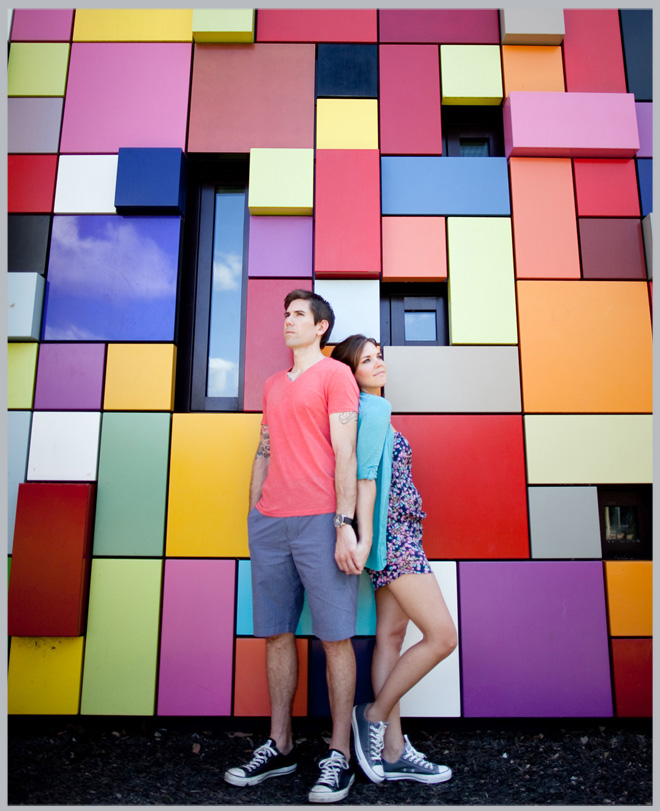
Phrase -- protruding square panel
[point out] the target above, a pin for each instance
(568, 347)
(33, 124)
(25, 295)
(570, 125)
(18, 441)
(482, 295)
(42, 25)
(21, 372)
(438, 694)
(44, 675)
(140, 377)
(70, 377)
(632, 664)
(280, 247)
(265, 91)
(28, 237)
(319, 705)
(347, 124)
(606, 188)
(86, 184)
(281, 181)
(409, 100)
(202, 519)
(126, 94)
(471, 74)
(637, 36)
(150, 181)
(31, 183)
(90, 294)
(347, 213)
(50, 560)
(593, 55)
(131, 502)
(612, 248)
(347, 70)
(317, 25)
(645, 179)
(473, 510)
(581, 449)
(356, 304)
(250, 682)
(563, 522)
(223, 25)
(461, 379)
(645, 125)
(532, 26)
(532, 67)
(534, 640)
(64, 446)
(647, 231)
(193, 591)
(629, 597)
(127, 25)
(414, 249)
(544, 226)
(37, 68)
(121, 652)
(453, 26)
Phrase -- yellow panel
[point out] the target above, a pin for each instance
(211, 462)
(471, 74)
(45, 675)
(347, 124)
(281, 181)
(589, 448)
(140, 377)
(630, 597)
(21, 370)
(132, 25)
(223, 25)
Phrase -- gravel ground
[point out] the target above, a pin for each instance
(164, 761)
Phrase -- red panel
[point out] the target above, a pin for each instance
(470, 471)
(347, 213)
(443, 26)
(593, 55)
(606, 188)
(410, 100)
(632, 661)
(251, 684)
(612, 248)
(317, 25)
(31, 183)
(246, 96)
(265, 351)
(50, 559)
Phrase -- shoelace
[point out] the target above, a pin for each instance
(376, 739)
(331, 768)
(261, 756)
(416, 757)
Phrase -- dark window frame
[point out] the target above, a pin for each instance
(472, 122)
(636, 496)
(397, 298)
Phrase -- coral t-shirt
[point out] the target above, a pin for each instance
(301, 471)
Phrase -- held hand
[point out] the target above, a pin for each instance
(346, 556)
(362, 553)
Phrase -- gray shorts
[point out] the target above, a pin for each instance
(291, 556)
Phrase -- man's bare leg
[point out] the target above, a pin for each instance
(340, 675)
(282, 672)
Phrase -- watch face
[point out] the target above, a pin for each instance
(339, 520)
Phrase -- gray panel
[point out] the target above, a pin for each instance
(453, 379)
(563, 522)
(33, 125)
(532, 26)
(647, 233)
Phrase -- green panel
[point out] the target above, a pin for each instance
(471, 74)
(482, 294)
(281, 181)
(21, 371)
(132, 485)
(121, 652)
(37, 68)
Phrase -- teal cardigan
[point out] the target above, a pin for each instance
(375, 446)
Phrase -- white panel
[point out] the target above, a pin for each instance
(18, 436)
(438, 694)
(25, 299)
(64, 446)
(86, 184)
(356, 303)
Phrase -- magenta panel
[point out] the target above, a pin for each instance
(442, 26)
(645, 127)
(317, 25)
(42, 25)
(126, 94)
(280, 247)
(409, 100)
(70, 376)
(593, 55)
(197, 635)
(534, 639)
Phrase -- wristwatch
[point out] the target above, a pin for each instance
(340, 520)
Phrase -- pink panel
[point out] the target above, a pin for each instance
(197, 635)
(645, 126)
(590, 125)
(593, 55)
(126, 94)
(443, 26)
(317, 25)
(606, 188)
(265, 352)
(409, 100)
(42, 25)
(280, 247)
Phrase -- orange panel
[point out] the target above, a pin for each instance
(630, 597)
(414, 249)
(585, 347)
(532, 67)
(544, 221)
(251, 685)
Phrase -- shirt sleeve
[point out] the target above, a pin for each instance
(373, 425)
(343, 391)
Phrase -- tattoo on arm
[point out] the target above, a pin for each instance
(263, 451)
(347, 416)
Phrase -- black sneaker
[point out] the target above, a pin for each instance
(368, 739)
(336, 779)
(413, 765)
(266, 762)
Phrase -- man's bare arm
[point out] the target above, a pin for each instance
(343, 434)
(260, 466)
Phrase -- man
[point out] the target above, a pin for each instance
(302, 539)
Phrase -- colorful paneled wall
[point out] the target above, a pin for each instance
(471, 187)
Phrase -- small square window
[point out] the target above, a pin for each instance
(625, 522)
(472, 132)
(420, 326)
(474, 147)
(414, 314)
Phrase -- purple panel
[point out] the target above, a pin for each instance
(280, 247)
(534, 639)
(645, 127)
(70, 376)
(197, 638)
(42, 25)
(33, 124)
(442, 26)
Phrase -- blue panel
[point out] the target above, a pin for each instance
(637, 38)
(18, 440)
(319, 706)
(347, 71)
(112, 278)
(645, 178)
(150, 180)
(244, 625)
(445, 186)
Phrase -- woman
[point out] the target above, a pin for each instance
(389, 515)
